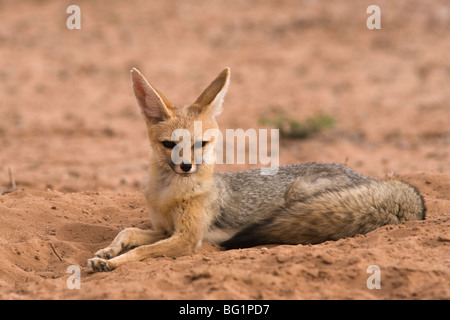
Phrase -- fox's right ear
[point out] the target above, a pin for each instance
(211, 100)
(154, 106)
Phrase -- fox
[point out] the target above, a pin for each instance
(188, 202)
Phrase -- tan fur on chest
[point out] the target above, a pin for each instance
(169, 199)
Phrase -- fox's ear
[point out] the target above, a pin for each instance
(211, 100)
(154, 106)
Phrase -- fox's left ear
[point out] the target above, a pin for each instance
(211, 100)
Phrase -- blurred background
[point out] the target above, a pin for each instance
(375, 100)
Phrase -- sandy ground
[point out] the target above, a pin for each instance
(72, 133)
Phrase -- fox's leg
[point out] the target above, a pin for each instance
(305, 187)
(174, 246)
(193, 221)
(129, 238)
(312, 185)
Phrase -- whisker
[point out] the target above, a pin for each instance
(147, 146)
(159, 161)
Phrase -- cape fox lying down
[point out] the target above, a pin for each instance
(188, 203)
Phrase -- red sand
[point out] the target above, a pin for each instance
(72, 133)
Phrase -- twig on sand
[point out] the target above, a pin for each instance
(51, 246)
(12, 182)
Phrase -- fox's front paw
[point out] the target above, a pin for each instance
(109, 252)
(99, 265)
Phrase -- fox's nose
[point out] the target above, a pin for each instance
(186, 167)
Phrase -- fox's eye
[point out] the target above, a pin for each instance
(200, 143)
(169, 144)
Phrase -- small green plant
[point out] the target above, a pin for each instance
(292, 128)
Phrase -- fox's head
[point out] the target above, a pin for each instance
(182, 140)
